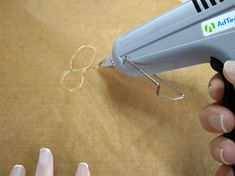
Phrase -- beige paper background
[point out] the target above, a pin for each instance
(115, 123)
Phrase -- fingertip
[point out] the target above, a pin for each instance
(45, 149)
(229, 71)
(217, 119)
(18, 170)
(83, 164)
(224, 170)
(229, 153)
(216, 88)
(45, 165)
(82, 170)
(223, 150)
(229, 121)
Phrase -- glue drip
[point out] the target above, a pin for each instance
(82, 69)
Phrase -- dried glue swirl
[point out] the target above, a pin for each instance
(81, 62)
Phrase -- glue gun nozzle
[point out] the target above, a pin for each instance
(107, 62)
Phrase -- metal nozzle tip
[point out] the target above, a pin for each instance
(107, 62)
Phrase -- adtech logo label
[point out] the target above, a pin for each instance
(210, 27)
(219, 24)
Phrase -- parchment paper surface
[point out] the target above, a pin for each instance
(115, 123)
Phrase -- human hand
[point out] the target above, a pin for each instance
(45, 166)
(218, 119)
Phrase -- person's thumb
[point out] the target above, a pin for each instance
(229, 71)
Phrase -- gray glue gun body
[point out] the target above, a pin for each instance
(198, 31)
(189, 34)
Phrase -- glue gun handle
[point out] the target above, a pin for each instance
(229, 95)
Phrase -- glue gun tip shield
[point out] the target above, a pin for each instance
(107, 62)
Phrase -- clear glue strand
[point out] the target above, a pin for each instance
(82, 70)
(92, 60)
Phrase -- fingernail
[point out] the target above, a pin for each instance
(18, 170)
(44, 156)
(230, 173)
(219, 154)
(217, 122)
(229, 68)
(83, 170)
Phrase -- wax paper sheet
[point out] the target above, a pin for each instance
(115, 123)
